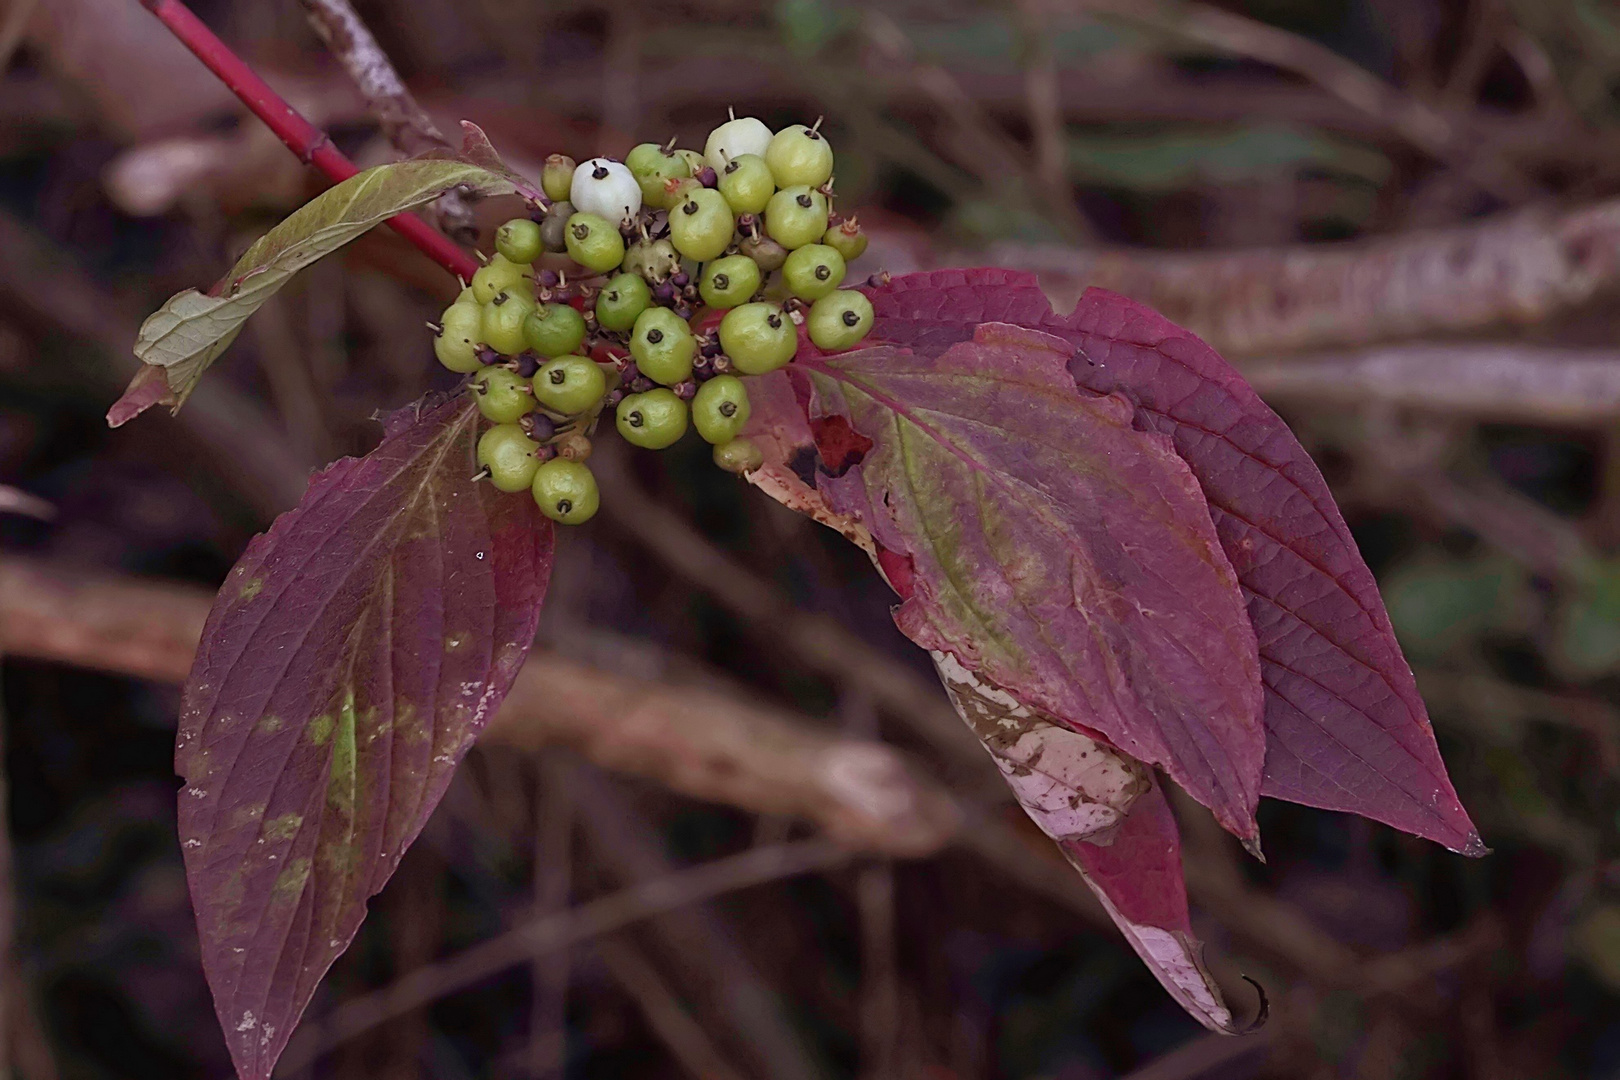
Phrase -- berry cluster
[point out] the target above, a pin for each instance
(590, 304)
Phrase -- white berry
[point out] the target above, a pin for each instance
(605, 187)
(734, 138)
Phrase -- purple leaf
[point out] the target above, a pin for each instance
(1056, 551)
(353, 654)
(1345, 727)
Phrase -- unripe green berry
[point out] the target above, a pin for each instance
(676, 189)
(460, 327)
(747, 184)
(652, 260)
(501, 274)
(566, 491)
(839, 320)
(652, 420)
(766, 253)
(701, 227)
(738, 456)
(758, 337)
(642, 157)
(557, 177)
(800, 155)
(653, 169)
(554, 329)
(619, 303)
(796, 216)
(519, 240)
(569, 385)
(509, 455)
(554, 229)
(694, 160)
(594, 242)
(503, 395)
(720, 409)
(501, 327)
(465, 296)
(729, 281)
(813, 271)
(847, 239)
(663, 346)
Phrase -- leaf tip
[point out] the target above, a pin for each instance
(149, 387)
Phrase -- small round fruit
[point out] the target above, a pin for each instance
(840, 320)
(693, 159)
(519, 241)
(466, 295)
(747, 184)
(566, 491)
(500, 274)
(796, 216)
(758, 337)
(509, 455)
(554, 329)
(501, 327)
(652, 260)
(813, 271)
(701, 227)
(642, 157)
(800, 155)
(847, 239)
(729, 281)
(720, 408)
(653, 169)
(766, 253)
(457, 343)
(594, 242)
(652, 420)
(663, 346)
(569, 385)
(619, 303)
(557, 177)
(605, 188)
(503, 395)
(736, 137)
(738, 456)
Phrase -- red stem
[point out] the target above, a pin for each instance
(302, 137)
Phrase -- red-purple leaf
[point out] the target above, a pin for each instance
(353, 654)
(1138, 878)
(1057, 551)
(1346, 729)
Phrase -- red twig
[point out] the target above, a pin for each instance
(302, 137)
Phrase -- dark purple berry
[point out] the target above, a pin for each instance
(527, 364)
(664, 292)
(722, 364)
(537, 426)
(680, 279)
(548, 278)
(611, 401)
(686, 391)
(707, 176)
(487, 355)
(641, 384)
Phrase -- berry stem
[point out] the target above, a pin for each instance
(303, 138)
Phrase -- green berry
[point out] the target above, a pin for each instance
(554, 230)
(738, 456)
(569, 385)
(501, 327)
(653, 169)
(566, 491)
(519, 240)
(720, 408)
(501, 274)
(813, 271)
(652, 420)
(694, 160)
(663, 346)
(758, 337)
(796, 216)
(840, 320)
(767, 253)
(736, 137)
(652, 260)
(465, 296)
(846, 239)
(729, 281)
(503, 395)
(747, 184)
(508, 454)
(701, 227)
(554, 329)
(557, 176)
(594, 242)
(457, 343)
(619, 303)
(676, 189)
(800, 155)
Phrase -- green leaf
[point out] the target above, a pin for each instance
(183, 337)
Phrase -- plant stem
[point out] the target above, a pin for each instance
(303, 138)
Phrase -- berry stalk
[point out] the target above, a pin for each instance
(303, 138)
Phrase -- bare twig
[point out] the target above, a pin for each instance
(404, 123)
(685, 1037)
(757, 866)
(1045, 109)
